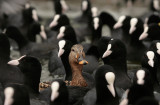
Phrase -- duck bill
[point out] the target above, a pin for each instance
(117, 25)
(96, 25)
(132, 29)
(4, 31)
(107, 53)
(140, 82)
(82, 61)
(8, 101)
(60, 35)
(156, 4)
(145, 25)
(111, 89)
(8, 93)
(27, 5)
(22, 57)
(13, 62)
(43, 35)
(34, 16)
(54, 87)
(151, 63)
(143, 36)
(158, 51)
(54, 95)
(124, 102)
(53, 24)
(64, 5)
(84, 5)
(94, 11)
(60, 52)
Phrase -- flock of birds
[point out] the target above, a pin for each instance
(94, 73)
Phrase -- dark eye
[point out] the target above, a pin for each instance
(72, 49)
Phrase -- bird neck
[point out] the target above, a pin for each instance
(135, 37)
(73, 38)
(77, 78)
(60, 101)
(31, 36)
(111, 23)
(103, 93)
(158, 67)
(119, 63)
(21, 41)
(32, 81)
(96, 34)
(67, 67)
(135, 40)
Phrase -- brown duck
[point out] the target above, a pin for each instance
(76, 60)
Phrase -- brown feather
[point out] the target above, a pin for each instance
(77, 78)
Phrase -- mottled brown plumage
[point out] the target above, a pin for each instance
(76, 56)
